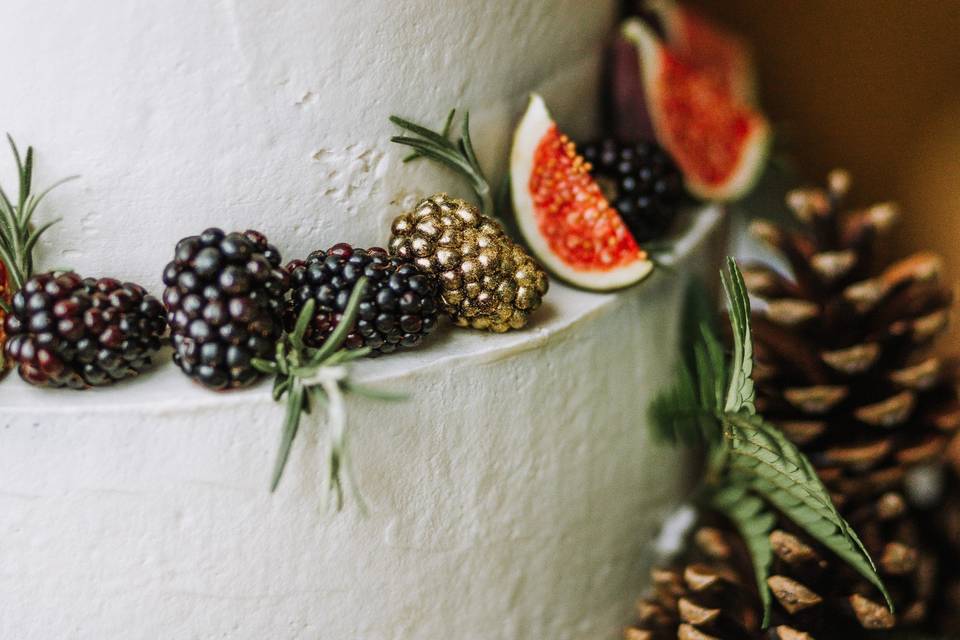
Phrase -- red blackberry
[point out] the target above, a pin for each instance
(225, 299)
(641, 181)
(67, 331)
(398, 307)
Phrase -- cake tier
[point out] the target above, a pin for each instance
(182, 115)
(512, 496)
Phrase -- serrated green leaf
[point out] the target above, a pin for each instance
(740, 392)
(762, 457)
(754, 522)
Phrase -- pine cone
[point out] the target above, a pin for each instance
(713, 594)
(844, 366)
(487, 281)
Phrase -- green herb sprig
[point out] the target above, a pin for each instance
(18, 233)
(458, 156)
(319, 377)
(752, 469)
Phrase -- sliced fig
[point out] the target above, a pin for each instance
(707, 47)
(718, 139)
(562, 212)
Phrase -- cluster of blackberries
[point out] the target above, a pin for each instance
(642, 182)
(226, 302)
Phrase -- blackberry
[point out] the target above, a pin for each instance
(224, 298)
(398, 308)
(68, 331)
(641, 181)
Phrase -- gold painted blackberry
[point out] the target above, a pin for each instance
(487, 281)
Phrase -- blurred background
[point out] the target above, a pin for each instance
(871, 85)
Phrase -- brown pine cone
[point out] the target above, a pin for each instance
(845, 367)
(487, 281)
(712, 595)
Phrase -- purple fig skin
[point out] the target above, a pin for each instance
(628, 105)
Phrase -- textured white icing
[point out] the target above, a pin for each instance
(273, 115)
(514, 495)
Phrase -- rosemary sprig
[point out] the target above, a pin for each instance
(444, 133)
(458, 156)
(18, 234)
(309, 378)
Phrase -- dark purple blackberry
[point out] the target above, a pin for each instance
(398, 308)
(641, 181)
(225, 299)
(68, 331)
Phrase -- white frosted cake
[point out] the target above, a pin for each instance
(181, 115)
(513, 495)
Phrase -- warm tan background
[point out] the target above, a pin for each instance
(873, 85)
